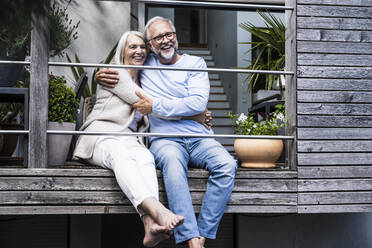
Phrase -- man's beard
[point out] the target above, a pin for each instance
(169, 55)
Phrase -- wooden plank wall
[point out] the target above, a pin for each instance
(95, 191)
(334, 95)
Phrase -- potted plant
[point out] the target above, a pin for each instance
(62, 110)
(258, 153)
(270, 51)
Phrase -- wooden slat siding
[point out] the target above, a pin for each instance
(318, 185)
(334, 109)
(334, 35)
(335, 96)
(334, 121)
(335, 72)
(334, 23)
(337, 2)
(335, 198)
(334, 84)
(334, 105)
(334, 47)
(334, 59)
(335, 146)
(334, 11)
(334, 159)
(38, 110)
(355, 208)
(335, 172)
(334, 133)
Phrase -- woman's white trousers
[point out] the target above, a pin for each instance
(132, 164)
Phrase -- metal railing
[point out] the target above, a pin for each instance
(225, 70)
(290, 73)
(240, 6)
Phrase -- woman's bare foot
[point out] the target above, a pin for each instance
(153, 232)
(160, 214)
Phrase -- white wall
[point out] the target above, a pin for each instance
(101, 25)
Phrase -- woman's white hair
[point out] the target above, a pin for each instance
(154, 19)
(118, 58)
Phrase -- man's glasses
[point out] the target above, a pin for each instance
(160, 38)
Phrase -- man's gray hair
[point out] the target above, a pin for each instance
(154, 19)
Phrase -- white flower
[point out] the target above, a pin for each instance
(242, 118)
(254, 125)
(280, 116)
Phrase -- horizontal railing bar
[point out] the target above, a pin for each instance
(172, 135)
(14, 131)
(156, 67)
(217, 4)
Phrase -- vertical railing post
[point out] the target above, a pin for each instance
(38, 115)
(133, 15)
(141, 16)
(291, 83)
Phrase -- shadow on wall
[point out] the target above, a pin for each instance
(101, 25)
(305, 231)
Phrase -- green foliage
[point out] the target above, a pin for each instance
(271, 44)
(247, 125)
(78, 71)
(63, 105)
(15, 26)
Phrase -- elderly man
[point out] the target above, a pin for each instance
(182, 93)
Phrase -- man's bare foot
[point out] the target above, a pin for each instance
(202, 241)
(160, 214)
(194, 243)
(153, 232)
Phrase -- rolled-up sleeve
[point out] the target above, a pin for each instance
(196, 100)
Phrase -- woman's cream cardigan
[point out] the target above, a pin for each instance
(112, 111)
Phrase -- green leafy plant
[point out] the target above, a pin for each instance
(247, 125)
(63, 105)
(15, 28)
(271, 47)
(78, 71)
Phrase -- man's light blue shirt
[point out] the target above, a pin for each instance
(177, 93)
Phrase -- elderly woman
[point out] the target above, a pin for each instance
(131, 162)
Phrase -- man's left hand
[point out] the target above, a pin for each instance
(144, 105)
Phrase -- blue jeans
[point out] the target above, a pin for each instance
(172, 156)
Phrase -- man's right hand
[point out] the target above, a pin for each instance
(107, 77)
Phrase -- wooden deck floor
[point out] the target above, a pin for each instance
(80, 189)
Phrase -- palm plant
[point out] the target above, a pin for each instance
(78, 71)
(271, 47)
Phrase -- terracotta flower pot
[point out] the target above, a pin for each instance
(258, 153)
